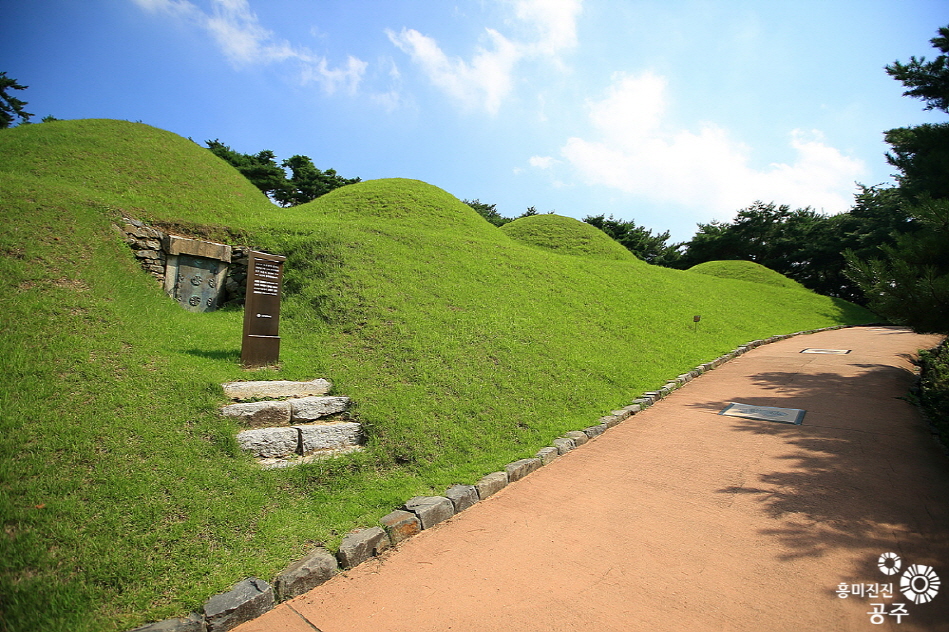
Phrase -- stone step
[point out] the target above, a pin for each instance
(276, 389)
(259, 414)
(285, 412)
(296, 459)
(288, 426)
(300, 440)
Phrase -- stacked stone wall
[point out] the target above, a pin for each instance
(150, 247)
(146, 244)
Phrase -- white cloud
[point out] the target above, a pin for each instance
(241, 37)
(318, 70)
(555, 21)
(637, 150)
(171, 7)
(488, 77)
(543, 162)
(244, 41)
(633, 108)
(485, 80)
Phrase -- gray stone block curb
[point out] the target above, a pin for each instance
(318, 566)
(608, 421)
(491, 484)
(430, 509)
(401, 525)
(594, 431)
(361, 544)
(547, 455)
(521, 468)
(461, 496)
(192, 623)
(247, 600)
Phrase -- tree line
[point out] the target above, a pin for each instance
(802, 244)
(304, 183)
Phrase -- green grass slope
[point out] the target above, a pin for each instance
(401, 202)
(140, 170)
(123, 494)
(746, 271)
(566, 235)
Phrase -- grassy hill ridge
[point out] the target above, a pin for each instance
(747, 271)
(123, 494)
(566, 235)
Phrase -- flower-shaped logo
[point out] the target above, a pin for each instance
(919, 583)
(890, 563)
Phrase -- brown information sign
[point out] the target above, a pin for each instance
(261, 343)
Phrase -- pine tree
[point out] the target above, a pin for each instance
(11, 107)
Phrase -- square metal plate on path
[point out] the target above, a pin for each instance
(827, 351)
(764, 413)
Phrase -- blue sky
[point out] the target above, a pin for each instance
(665, 112)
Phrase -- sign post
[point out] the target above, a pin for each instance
(260, 345)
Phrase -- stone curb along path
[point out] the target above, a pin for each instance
(252, 597)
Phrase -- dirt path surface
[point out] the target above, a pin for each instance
(682, 519)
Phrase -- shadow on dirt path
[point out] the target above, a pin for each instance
(680, 519)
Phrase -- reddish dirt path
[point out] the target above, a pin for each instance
(681, 519)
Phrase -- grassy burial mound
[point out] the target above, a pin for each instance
(123, 493)
(747, 271)
(567, 236)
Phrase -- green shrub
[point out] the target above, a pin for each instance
(934, 388)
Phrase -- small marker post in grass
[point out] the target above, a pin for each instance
(260, 345)
(695, 322)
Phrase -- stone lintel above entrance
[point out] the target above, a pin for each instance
(175, 245)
